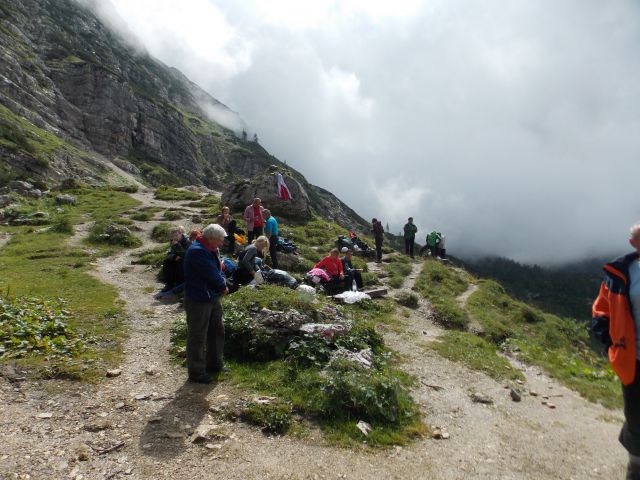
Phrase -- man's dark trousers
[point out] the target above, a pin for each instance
(408, 246)
(253, 234)
(630, 433)
(379, 249)
(205, 337)
(273, 243)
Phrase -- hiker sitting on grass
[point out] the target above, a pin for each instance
(350, 273)
(249, 261)
(333, 266)
(172, 270)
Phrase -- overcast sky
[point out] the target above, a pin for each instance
(512, 127)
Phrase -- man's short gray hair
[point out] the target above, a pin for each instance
(634, 230)
(214, 231)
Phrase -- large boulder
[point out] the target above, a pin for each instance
(264, 186)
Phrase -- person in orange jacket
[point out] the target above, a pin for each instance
(616, 315)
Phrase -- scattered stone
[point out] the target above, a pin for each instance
(142, 396)
(174, 435)
(151, 370)
(156, 419)
(212, 446)
(364, 427)
(66, 199)
(45, 415)
(479, 398)
(83, 452)
(5, 200)
(515, 395)
(208, 433)
(20, 186)
(548, 404)
(264, 399)
(119, 405)
(362, 358)
(439, 434)
(116, 372)
(520, 382)
(98, 426)
(533, 393)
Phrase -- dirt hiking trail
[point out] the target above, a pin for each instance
(137, 425)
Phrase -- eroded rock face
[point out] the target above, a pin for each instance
(264, 186)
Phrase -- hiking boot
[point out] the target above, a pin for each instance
(206, 378)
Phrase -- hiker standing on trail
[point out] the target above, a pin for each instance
(271, 232)
(409, 236)
(616, 318)
(204, 286)
(226, 221)
(378, 236)
(253, 217)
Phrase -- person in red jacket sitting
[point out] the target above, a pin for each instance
(333, 266)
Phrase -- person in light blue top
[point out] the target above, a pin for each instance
(271, 232)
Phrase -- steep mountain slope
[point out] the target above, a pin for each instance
(72, 88)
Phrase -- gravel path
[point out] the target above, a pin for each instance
(64, 430)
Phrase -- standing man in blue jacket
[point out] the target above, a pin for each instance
(271, 232)
(204, 286)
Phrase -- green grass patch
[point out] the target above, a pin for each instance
(144, 214)
(43, 265)
(173, 215)
(170, 193)
(441, 285)
(398, 270)
(560, 346)
(114, 235)
(153, 256)
(476, 353)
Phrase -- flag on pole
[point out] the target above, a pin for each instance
(283, 190)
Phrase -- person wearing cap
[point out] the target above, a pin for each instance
(271, 232)
(378, 236)
(409, 236)
(351, 274)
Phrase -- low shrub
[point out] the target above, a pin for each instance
(362, 394)
(172, 215)
(160, 232)
(272, 417)
(113, 234)
(409, 300)
(29, 325)
(62, 224)
(131, 188)
(449, 314)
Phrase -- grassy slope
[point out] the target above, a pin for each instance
(42, 264)
(560, 346)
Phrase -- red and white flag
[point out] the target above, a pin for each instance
(283, 190)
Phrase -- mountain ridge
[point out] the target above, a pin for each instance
(72, 77)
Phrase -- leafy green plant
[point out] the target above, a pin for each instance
(29, 325)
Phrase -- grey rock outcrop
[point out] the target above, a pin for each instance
(264, 186)
(66, 199)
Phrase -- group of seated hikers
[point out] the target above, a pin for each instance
(333, 273)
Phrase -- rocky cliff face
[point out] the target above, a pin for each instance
(72, 92)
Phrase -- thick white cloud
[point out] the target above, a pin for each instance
(511, 126)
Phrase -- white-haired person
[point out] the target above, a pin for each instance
(616, 318)
(204, 286)
(249, 260)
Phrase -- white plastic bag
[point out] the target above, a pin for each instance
(352, 297)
